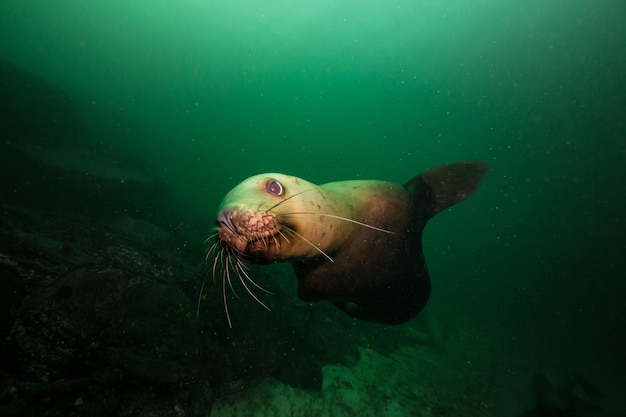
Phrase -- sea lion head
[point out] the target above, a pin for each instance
(258, 220)
(268, 217)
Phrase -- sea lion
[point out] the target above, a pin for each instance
(357, 244)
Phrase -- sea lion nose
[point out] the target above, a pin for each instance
(224, 217)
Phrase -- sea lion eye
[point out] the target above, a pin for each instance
(274, 187)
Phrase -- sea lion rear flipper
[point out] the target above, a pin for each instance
(444, 186)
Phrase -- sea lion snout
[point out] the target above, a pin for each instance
(224, 218)
(227, 232)
(239, 228)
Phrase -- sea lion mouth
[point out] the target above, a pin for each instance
(248, 231)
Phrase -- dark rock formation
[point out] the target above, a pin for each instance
(98, 293)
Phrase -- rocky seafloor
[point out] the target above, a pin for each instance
(99, 318)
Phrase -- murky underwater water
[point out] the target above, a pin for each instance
(181, 101)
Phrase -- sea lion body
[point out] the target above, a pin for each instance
(371, 266)
(357, 244)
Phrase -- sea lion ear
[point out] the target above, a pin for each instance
(444, 186)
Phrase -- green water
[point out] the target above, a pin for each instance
(333, 90)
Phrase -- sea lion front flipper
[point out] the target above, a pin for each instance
(444, 186)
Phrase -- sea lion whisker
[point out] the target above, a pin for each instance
(225, 297)
(258, 208)
(200, 295)
(276, 242)
(338, 218)
(243, 264)
(241, 272)
(266, 239)
(211, 236)
(229, 265)
(245, 273)
(284, 237)
(263, 239)
(287, 199)
(237, 253)
(210, 251)
(304, 219)
(218, 258)
(309, 242)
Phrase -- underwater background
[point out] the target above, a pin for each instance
(124, 123)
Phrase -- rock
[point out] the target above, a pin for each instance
(154, 335)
